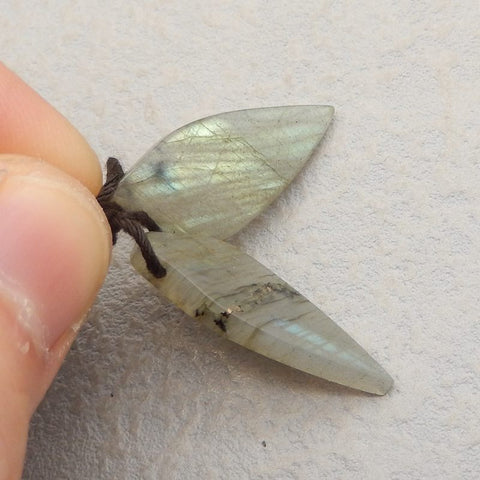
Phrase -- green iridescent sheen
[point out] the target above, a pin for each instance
(233, 294)
(213, 176)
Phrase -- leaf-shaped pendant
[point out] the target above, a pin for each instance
(214, 175)
(209, 179)
(231, 293)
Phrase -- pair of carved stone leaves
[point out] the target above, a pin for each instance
(202, 184)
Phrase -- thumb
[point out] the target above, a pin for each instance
(55, 249)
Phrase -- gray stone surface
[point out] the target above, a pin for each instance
(214, 175)
(231, 293)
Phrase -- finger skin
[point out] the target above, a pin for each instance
(54, 256)
(55, 248)
(30, 126)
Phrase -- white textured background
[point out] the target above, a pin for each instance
(381, 230)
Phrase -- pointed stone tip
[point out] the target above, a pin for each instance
(384, 385)
(387, 388)
(326, 113)
(371, 377)
(330, 112)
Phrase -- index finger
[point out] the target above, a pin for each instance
(30, 126)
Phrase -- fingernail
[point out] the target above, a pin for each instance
(54, 250)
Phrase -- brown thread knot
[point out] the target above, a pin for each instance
(132, 223)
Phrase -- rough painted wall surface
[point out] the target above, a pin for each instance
(381, 230)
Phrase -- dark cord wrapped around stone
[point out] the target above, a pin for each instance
(132, 223)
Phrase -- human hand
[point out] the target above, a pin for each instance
(54, 253)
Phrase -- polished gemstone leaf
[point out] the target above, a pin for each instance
(233, 294)
(214, 175)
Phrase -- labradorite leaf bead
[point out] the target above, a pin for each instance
(213, 176)
(236, 296)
